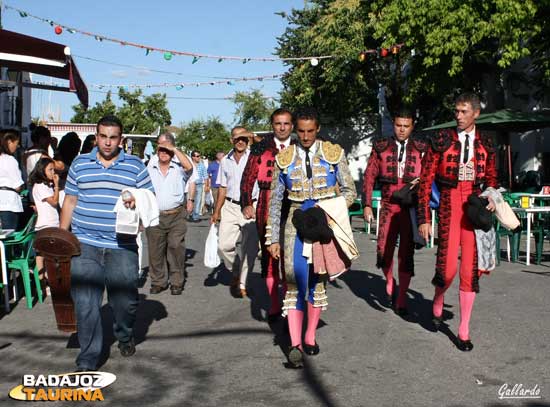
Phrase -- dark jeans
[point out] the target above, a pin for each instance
(92, 271)
(166, 245)
(9, 219)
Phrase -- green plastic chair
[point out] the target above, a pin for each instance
(537, 229)
(20, 256)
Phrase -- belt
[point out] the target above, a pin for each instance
(172, 211)
(235, 201)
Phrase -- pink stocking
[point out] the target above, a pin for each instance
(389, 280)
(273, 291)
(404, 281)
(466, 305)
(313, 316)
(437, 309)
(295, 321)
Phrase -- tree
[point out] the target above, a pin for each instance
(93, 114)
(446, 46)
(139, 114)
(206, 136)
(253, 110)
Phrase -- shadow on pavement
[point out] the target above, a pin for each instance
(148, 311)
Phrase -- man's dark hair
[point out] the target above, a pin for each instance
(88, 144)
(405, 112)
(471, 98)
(109, 121)
(68, 148)
(38, 133)
(278, 112)
(307, 113)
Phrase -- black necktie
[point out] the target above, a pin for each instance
(466, 149)
(308, 164)
(401, 150)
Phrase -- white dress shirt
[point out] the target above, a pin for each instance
(302, 155)
(231, 173)
(285, 143)
(401, 164)
(462, 139)
(169, 188)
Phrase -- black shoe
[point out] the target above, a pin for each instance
(311, 350)
(155, 289)
(127, 348)
(390, 300)
(437, 321)
(464, 346)
(176, 290)
(295, 358)
(402, 311)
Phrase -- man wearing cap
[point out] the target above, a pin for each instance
(462, 162)
(238, 238)
(166, 241)
(308, 173)
(259, 169)
(394, 162)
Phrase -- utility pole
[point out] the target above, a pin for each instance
(1, 7)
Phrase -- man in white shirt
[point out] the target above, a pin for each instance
(166, 242)
(238, 238)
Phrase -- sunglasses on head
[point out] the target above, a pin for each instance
(243, 139)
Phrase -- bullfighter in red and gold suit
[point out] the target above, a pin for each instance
(461, 161)
(394, 162)
(259, 168)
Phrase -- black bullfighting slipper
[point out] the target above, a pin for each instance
(311, 350)
(295, 358)
(464, 346)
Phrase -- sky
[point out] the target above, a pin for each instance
(246, 28)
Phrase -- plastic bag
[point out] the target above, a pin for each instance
(208, 199)
(211, 258)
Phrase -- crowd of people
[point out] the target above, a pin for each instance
(282, 197)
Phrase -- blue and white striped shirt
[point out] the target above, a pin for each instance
(98, 189)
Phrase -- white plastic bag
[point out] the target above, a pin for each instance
(211, 258)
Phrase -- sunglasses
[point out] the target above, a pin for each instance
(196, 155)
(243, 139)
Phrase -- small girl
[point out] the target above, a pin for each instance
(45, 191)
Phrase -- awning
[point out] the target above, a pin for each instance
(505, 120)
(29, 54)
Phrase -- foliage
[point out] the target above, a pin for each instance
(448, 46)
(139, 114)
(206, 136)
(253, 110)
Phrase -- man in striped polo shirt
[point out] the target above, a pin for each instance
(107, 259)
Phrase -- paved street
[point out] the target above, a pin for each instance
(206, 348)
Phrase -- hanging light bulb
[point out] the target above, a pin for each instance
(362, 56)
(168, 56)
(314, 61)
(395, 50)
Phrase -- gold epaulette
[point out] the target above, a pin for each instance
(284, 158)
(332, 153)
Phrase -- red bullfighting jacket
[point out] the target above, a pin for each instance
(382, 165)
(259, 167)
(441, 163)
